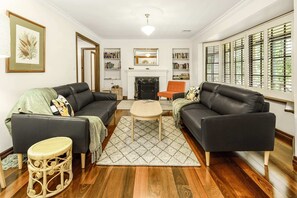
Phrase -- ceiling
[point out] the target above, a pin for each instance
(123, 19)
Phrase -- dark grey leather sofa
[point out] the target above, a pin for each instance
(230, 119)
(28, 129)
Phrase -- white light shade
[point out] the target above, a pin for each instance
(4, 36)
(148, 29)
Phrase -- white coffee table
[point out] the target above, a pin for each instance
(146, 110)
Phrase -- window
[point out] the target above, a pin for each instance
(256, 58)
(212, 64)
(238, 46)
(227, 63)
(279, 58)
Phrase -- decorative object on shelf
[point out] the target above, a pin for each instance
(4, 36)
(27, 45)
(109, 65)
(112, 55)
(146, 56)
(180, 55)
(112, 63)
(147, 29)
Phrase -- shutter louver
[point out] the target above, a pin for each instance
(256, 58)
(279, 58)
(212, 64)
(227, 63)
(238, 46)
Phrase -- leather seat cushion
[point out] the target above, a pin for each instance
(102, 109)
(192, 119)
(194, 106)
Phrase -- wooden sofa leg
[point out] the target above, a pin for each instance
(20, 160)
(207, 158)
(266, 157)
(83, 160)
(2, 177)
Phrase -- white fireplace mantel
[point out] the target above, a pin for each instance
(161, 73)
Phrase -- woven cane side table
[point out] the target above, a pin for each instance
(50, 167)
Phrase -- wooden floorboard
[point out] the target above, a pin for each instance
(230, 174)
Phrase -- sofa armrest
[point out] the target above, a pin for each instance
(104, 96)
(27, 129)
(239, 132)
(178, 95)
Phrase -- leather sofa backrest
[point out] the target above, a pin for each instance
(207, 93)
(66, 91)
(234, 100)
(82, 94)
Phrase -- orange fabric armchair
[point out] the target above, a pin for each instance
(173, 87)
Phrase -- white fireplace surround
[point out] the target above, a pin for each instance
(162, 74)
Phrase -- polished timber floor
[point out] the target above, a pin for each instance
(232, 174)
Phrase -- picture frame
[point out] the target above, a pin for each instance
(27, 45)
(146, 56)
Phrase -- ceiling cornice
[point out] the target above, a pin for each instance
(219, 20)
(71, 19)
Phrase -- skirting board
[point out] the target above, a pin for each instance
(283, 136)
(6, 153)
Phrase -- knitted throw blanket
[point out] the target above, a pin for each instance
(176, 107)
(98, 132)
(33, 101)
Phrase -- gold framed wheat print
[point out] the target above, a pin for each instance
(27, 45)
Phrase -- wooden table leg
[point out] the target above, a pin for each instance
(160, 128)
(132, 128)
(2, 177)
(115, 117)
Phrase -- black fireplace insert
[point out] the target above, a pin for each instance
(146, 88)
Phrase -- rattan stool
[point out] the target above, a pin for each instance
(50, 167)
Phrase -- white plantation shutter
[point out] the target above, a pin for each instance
(256, 60)
(279, 58)
(227, 63)
(238, 46)
(212, 64)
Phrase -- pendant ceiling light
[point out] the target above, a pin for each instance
(148, 29)
(4, 36)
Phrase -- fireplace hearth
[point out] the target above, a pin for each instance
(146, 88)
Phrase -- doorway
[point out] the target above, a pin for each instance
(87, 62)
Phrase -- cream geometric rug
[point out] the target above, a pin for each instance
(146, 150)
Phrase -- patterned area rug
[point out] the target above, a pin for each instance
(11, 161)
(146, 150)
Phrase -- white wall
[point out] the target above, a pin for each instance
(127, 57)
(83, 44)
(60, 56)
(284, 120)
(89, 68)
